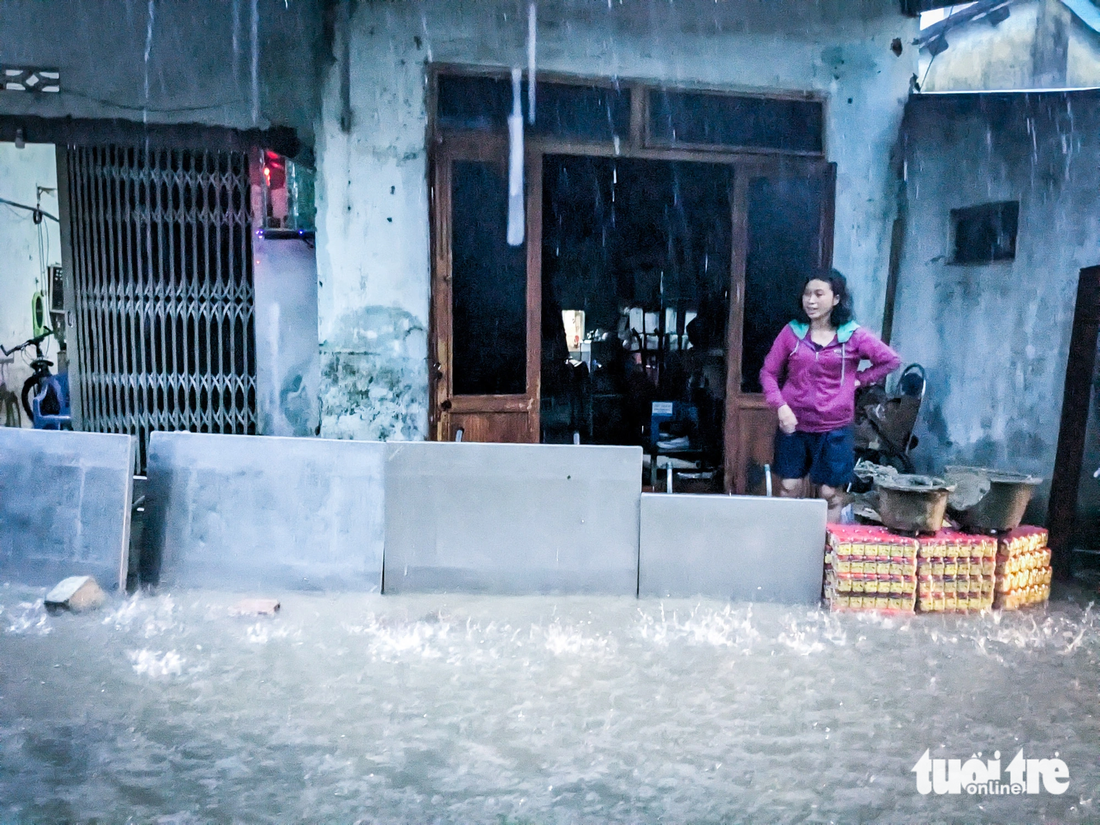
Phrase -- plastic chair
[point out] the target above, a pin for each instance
(58, 385)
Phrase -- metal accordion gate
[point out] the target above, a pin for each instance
(162, 294)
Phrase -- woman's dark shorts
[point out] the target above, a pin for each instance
(828, 458)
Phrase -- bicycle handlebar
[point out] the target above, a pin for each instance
(30, 342)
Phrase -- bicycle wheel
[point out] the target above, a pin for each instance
(31, 388)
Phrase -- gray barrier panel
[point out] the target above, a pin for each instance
(512, 518)
(246, 512)
(64, 506)
(745, 548)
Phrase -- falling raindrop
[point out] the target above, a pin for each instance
(532, 26)
(515, 163)
(236, 42)
(148, 51)
(255, 62)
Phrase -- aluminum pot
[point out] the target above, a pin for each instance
(989, 500)
(912, 503)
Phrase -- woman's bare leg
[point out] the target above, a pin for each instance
(836, 500)
(791, 487)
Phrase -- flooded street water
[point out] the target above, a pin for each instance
(448, 709)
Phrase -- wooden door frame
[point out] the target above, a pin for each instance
(1081, 362)
(486, 147)
(737, 402)
(745, 165)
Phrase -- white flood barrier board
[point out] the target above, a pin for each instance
(260, 512)
(64, 506)
(512, 518)
(745, 548)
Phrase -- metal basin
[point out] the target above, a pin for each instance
(989, 500)
(913, 503)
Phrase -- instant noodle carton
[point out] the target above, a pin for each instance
(1023, 569)
(869, 568)
(955, 572)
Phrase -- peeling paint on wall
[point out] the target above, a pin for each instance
(375, 386)
(371, 397)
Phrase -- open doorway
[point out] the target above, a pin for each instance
(666, 236)
(636, 257)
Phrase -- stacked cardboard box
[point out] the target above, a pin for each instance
(955, 572)
(1023, 568)
(869, 568)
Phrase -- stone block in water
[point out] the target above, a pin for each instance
(512, 518)
(264, 513)
(65, 505)
(745, 548)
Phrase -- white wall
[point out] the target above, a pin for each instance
(21, 171)
(373, 231)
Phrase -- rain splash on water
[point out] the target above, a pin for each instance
(410, 709)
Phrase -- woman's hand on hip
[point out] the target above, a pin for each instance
(788, 422)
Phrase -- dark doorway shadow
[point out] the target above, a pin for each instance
(1065, 485)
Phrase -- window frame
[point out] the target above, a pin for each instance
(989, 209)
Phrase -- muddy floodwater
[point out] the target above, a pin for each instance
(423, 709)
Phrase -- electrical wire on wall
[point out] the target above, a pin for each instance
(38, 216)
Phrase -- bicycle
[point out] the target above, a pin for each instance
(44, 397)
(10, 415)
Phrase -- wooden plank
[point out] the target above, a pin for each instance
(440, 337)
(605, 82)
(764, 158)
(533, 179)
(897, 240)
(485, 427)
(73, 341)
(733, 474)
(1062, 511)
(758, 424)
(469, 404)
(639, 115)
(828, 216)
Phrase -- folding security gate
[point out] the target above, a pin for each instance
(161, 258)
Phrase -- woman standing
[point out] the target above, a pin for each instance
(810, 378)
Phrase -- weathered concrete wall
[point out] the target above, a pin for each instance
(995, 338)
(981, 56)
(170, 61)
(512, 518)
(373, 230)
(1083, 60)
(24, 261)
(745, 548)
(64, 506)
(1042, 45)
(287, 366)
(247, 512)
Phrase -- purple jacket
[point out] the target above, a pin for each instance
(819, 385)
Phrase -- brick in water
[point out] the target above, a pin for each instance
(255, 607)
(76, 593)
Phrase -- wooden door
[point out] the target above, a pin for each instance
(782, 232)
(1072, 433)
(486, 336)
